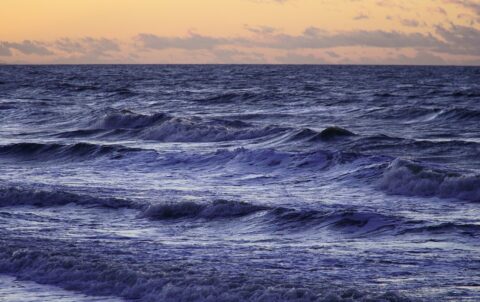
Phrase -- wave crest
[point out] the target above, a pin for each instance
(52, 151)
(13, 196)
(403, 177)
(167, 128)
(213, 210)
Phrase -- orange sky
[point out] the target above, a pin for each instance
(240, 31)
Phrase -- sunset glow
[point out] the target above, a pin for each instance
(240, 31)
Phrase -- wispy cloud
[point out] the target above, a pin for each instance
(193, 41)
(361, 17)
(459, 40)
(5, 50)
(410, 22)
(315, 38)
(26, 47)
(319, 44)
(87, 45)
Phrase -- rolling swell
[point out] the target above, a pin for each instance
(466, 229)
(16, 196)
(216, 209)
(459, 114)
(53, 151)
(347, 221)
(267, 217)
(167, 128)
(403, 177)
(276, 218)
(268, 159)
(327, 134)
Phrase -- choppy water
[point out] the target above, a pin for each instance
(239, 183)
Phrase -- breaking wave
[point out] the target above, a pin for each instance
(167, 128)
(403, 177)
(275, 218)
(97, 275)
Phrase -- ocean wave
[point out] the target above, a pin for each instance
(267, 159)
(99, 275)
(469, 93)
(53, 151)
(275, 218)
(349, 221)
(327, 134)
(228, 97)
(187, 209)
(467, 229)
(404, 177)
(126, 119)
(459, 113)
(193, 130)
(17, 196)
(168, 128)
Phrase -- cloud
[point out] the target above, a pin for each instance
(192, 42)
(457, 43)
(455, 40)
(439, 10)
(270, 1)
(410, 22)
(361, 17)
(4, 50)
(26, 47)
(314, 38)
(87, 46)
(294, 58)
(459, 39)
(233, 56)
(261, 30)
(418, 58)
(69, 45)
(473, 5)
(311, 38)
(332, 54)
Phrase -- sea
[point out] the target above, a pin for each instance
(239, 183)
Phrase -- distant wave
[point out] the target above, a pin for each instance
(328, 134)
(349, 221)
(409, 178)
(17, 196)
(466, 229)
(266, 159)
(228, 97)
(53, 151)
(126, 119)
(274, 218)
(167, 128)
(187, 209)
(459, 113)
(471, 92)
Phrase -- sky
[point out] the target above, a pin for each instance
(406, 32)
